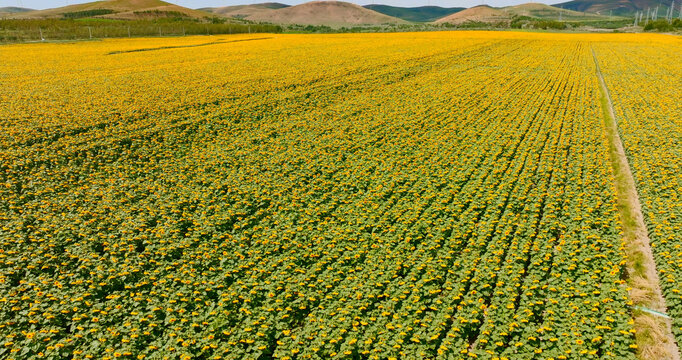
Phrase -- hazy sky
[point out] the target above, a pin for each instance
(44, 4)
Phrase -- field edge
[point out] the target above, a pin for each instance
(653, 335)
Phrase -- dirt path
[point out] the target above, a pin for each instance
(654, 335)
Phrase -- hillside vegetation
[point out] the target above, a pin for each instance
(117, 9)
(416, 14)
(530, 14)
(617, 7)
(546, 12)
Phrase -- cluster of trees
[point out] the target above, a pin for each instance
(83, 25)
(87, 13)
(324, 29)
(663, 25)
(72, 29)
(521, 22)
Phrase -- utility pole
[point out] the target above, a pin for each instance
(41, 34)
(561, 13)
(128, 30)
(90, 31)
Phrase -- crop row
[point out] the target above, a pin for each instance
(644, 82)
(410, 196)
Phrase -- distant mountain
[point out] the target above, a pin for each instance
(546, 12)
(330, 13)
(617, 7)
(243, 11)
(117, 9)
(416, 14)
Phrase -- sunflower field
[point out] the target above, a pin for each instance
(365, 196)
(647, 92)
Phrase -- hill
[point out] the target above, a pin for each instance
(243, 11)
(546, 12)
(117, 9)
(616, 7)
(330, 13)
(13, 10)
(416, 14)
(481, 13)
(537, 11)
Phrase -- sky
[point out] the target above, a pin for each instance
(46, 4)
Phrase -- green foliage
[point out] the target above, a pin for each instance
(658, 25)
(217, 20)
(519, 22)
(604, 24)
(311, 29)
(87, 13)
(478, 25)
(344, 197)
(73, 29)
(154, 14)
(323, 29)
(663, 25)
(549, 24)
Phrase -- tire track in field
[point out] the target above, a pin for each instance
(184, 46)
(654, 332)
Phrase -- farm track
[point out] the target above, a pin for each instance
(654, 332)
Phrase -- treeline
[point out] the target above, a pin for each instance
(523, 22)
(324, 29)
(663, 25)
(526, 22)
(516, 23)
(513, 24)
(87, 13)
(13, 30)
